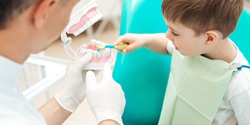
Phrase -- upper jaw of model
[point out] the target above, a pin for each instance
(86, 21)
(84, 15)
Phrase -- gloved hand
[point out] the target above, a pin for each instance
(74, 90)
(106, 99)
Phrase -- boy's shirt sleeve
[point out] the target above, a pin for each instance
(170, 47)
(241, 107)
(239, 96)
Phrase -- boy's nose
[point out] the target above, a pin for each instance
(169, 36)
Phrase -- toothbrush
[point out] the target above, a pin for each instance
(119, 47)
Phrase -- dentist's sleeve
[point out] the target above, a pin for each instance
(106, 99)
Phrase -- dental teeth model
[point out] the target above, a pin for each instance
(99, 57)
(84, 15)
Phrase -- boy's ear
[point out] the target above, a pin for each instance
(212, 37)
(41, 12)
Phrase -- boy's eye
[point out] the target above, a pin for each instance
(174, 34)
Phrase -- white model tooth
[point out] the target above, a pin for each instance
(95, 53)
(80, 29)
(82, 50)
(91, 23)
(95, 18)
(93, 41)
(103, 54)
(83, 28)
(99, 42)
(88, 24)
(98, 16)
(89, 51)
(107, 51)
(92, 20)
(99, 54)
(76, 33)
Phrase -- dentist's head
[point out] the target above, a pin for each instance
(30, 26)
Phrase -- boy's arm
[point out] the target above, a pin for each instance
(241, 107)
(155, 42)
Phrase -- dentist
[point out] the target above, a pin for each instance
(28, 27)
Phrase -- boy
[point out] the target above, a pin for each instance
(207, 84)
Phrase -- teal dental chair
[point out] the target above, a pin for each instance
(241, 35)
(143, 74)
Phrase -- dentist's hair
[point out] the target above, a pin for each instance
(10, 9)
(204, 15)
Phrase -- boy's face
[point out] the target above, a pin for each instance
(185, 40)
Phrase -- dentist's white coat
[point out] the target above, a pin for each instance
(15, 109)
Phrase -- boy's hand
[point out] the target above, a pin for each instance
(134, 41)
(156, 42)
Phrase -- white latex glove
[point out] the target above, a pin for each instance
(74, 90)
(106, 99)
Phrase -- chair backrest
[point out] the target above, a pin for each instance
(241, 35)
(142, 74)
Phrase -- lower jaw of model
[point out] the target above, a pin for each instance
(100, 57)
(84, 15)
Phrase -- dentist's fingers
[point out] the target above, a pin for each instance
(83, 61)
(90, 80)
(107, 73)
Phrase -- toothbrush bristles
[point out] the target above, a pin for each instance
(120, 46)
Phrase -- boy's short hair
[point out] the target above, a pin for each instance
(204, 15)
(9, 9)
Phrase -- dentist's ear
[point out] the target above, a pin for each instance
(212, 37)
(41, 12)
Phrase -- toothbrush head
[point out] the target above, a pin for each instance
(119, 47)
(100, 47)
